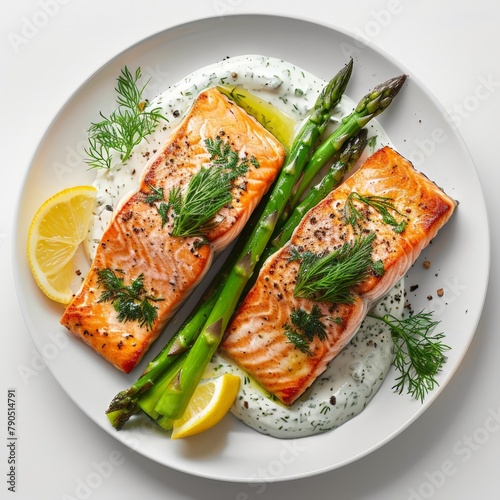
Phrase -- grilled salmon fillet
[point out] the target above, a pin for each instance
(137, 244)
(255, 339)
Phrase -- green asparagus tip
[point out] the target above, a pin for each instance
(340, 82)
(382, 95)
(121, 401)
(118, 418)
(331, 94)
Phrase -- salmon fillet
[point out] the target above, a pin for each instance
(255, 338)
(137, 242)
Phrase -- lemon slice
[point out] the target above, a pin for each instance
(211, 400)
(57, 228)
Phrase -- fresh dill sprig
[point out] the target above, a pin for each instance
(330, 277)
(382, 204)
(298, 340)
(208, 191)
(309, 324)
(419, 354)
(131, 302)
(304, 327)
(125, 127)
(156, 194)
(221, 153)
(163, 212)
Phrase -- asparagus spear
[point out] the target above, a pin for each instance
(178, 394)
(368, 107)
(125, 403)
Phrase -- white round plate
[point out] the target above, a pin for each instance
(420, 130)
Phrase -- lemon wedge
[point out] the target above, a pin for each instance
(211, 400)
(57, 228)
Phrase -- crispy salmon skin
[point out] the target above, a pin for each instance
(137, 247)
(258, 338)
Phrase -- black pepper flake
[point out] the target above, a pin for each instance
(413, 288)
(319, 234)
(126, 217)
(333, 400)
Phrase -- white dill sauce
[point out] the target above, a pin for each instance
(355, 375)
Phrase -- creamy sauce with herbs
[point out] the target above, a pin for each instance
(355, 375)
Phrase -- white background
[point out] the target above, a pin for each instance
(451, 452)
